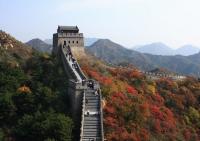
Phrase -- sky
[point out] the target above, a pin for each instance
(127, 22)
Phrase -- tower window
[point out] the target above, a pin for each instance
(69, 42)
(77, 42)
(73, 42)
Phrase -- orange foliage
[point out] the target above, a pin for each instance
(136, 74)
(144, 108)
(24, 89)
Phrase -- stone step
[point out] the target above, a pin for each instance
(89, 139)
(92, 103)
(92, 134)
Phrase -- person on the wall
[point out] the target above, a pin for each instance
(64, 45)
(86, 101)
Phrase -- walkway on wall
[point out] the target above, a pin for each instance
(92, 114)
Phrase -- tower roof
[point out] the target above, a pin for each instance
(68, 28)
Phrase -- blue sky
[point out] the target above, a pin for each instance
(128, 22)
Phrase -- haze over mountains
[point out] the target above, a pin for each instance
(114, 53)
(157, 48)
(162, 49)
(117, 54)
(40, 45)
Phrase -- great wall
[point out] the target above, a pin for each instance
(85, 94)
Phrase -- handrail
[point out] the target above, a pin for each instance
(101, 111)
(81, 72)
(83, 116)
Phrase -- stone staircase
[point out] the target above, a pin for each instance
(92, 115)
(92, 122)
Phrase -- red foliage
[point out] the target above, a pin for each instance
(131, 90)
(165, 83)
(156, 112)
(157, 126)
(94, 75)
(164, 120)
(109, 109)
(144, 135)
(118, 95)
(121, 134)
(157, 99)
(110, 121)
(187, 134)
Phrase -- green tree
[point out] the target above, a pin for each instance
(44, 126)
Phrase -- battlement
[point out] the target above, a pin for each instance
(68, 36)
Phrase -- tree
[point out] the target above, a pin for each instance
(44, 126)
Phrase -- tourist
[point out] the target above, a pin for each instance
(68, 48)
(91, 85)
(88, 112)
(76, 65)
(96, 93)
(70, 56)
(73, 60)
(83, 82)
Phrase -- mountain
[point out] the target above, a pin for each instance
(12, 50)
(49, 41)
(117, 54)
(89, 41)
(155, 49)
(162, 49)
(187, 50)
(40, 45)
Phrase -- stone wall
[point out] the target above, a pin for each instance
(78, 52)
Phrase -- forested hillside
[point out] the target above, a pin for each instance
(33, 102)
(138, 109)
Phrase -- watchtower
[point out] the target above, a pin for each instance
(68, 35)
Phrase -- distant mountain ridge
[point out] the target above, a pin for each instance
(117, 54)
(162, 49)
(155, 49)
(187, 50)
(40, 45)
